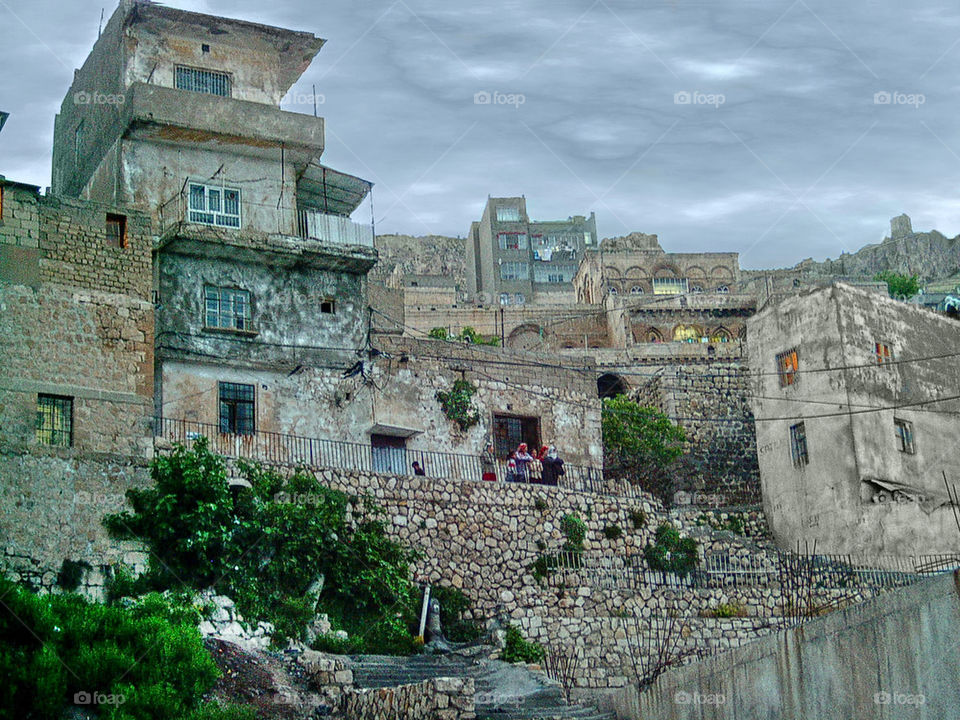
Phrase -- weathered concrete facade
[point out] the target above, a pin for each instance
(512, 260)
(856, 421)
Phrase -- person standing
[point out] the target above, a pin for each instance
(535, 469)
(417, 469)
(555, 463)
(488, 465)
(524, 459)
(512, 467)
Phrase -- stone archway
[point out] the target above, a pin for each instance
(528, 336)
(610, 385)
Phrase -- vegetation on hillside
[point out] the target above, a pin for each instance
(901, 287)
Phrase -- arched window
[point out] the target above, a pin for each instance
(687, 333)
(696, 289)
(653, 336)
(504, 298)
(723, 289)
(721, 334)
(613, 290)
(520, 300)
(636, 290)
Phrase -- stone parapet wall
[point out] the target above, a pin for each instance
(435, 699)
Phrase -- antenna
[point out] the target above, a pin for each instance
(314, 100)
(100, 29)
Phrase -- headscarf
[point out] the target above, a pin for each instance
(552, 453)
(522, 448)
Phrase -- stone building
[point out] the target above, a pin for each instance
(513, 260)
(76, 377)
(856, 411)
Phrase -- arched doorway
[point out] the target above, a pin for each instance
(610, 385)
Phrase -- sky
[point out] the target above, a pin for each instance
(781, 129)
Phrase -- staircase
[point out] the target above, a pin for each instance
(503, 691)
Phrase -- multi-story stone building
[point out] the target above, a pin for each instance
(513, 260)
(856, 412)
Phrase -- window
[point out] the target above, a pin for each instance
(669, 286)
(613, 290)
(554, 273)
(389, 454)
(505, 299)
(202, 81)
(116, 230)
(509, 431)
(55, 420)
(214, 205)
(798, 446)
(636, 290)
(237, 409)
(787, 366)
(512, 241)
(328, 306)
(77, 143)
(519, 299)
(204, 48)
(515, 271)
(723, 289)
(696, 290)
(505, 213)
(588, 238)
(227, 308)
(904, 431)
(884, 353)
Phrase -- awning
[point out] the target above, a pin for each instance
(392, 431)
(330, 191)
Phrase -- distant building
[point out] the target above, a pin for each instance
(512, 259)
(856, 413)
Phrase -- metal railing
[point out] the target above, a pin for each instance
(825, 572)
(335, 229)
(284, 449)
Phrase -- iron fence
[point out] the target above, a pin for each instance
(285, 449)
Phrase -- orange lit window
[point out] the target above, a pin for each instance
(884, 353)
(787, 367)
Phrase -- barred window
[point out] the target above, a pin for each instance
(512, 241)
(214, 205)
(798, 446)
(211, 82)
(788, 363)
(904, 431)
(237, 409)
(507, 213)
(515, 271)
(55, 420)
(227, 308)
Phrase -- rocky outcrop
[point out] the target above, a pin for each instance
(426, 255)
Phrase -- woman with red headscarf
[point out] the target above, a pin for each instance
(524, 459)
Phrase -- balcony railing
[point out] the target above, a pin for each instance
(334, 229)
(280, 448)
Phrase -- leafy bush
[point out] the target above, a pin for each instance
(454, 605)
(265, 546)
(468, 335)
(71, 573)
(458, 404)
(899, 286)
(338, 646)
(540, 504)
(671, 553)
(612, 532)
(519, 649)
(148, 657)
(728, 610)
(574, 530)
(638, 518)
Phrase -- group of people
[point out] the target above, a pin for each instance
(543, 467)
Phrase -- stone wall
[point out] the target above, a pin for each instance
(425, 255)
(435, 699)
(51, 505)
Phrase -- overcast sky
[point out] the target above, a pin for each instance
(782, 151)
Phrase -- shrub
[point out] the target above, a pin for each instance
(458, 404)
(612, 532)
(728, 610)
(150, 654)
(71, 573)
(638, 518)
(671, 553)
(575, 530)
(519, 649)
(540, 504)
(265, 547)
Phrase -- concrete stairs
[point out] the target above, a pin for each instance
(503, 691)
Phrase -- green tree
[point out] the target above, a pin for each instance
(641, 444)
(899, 286)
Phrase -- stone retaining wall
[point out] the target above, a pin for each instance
(436, 699)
